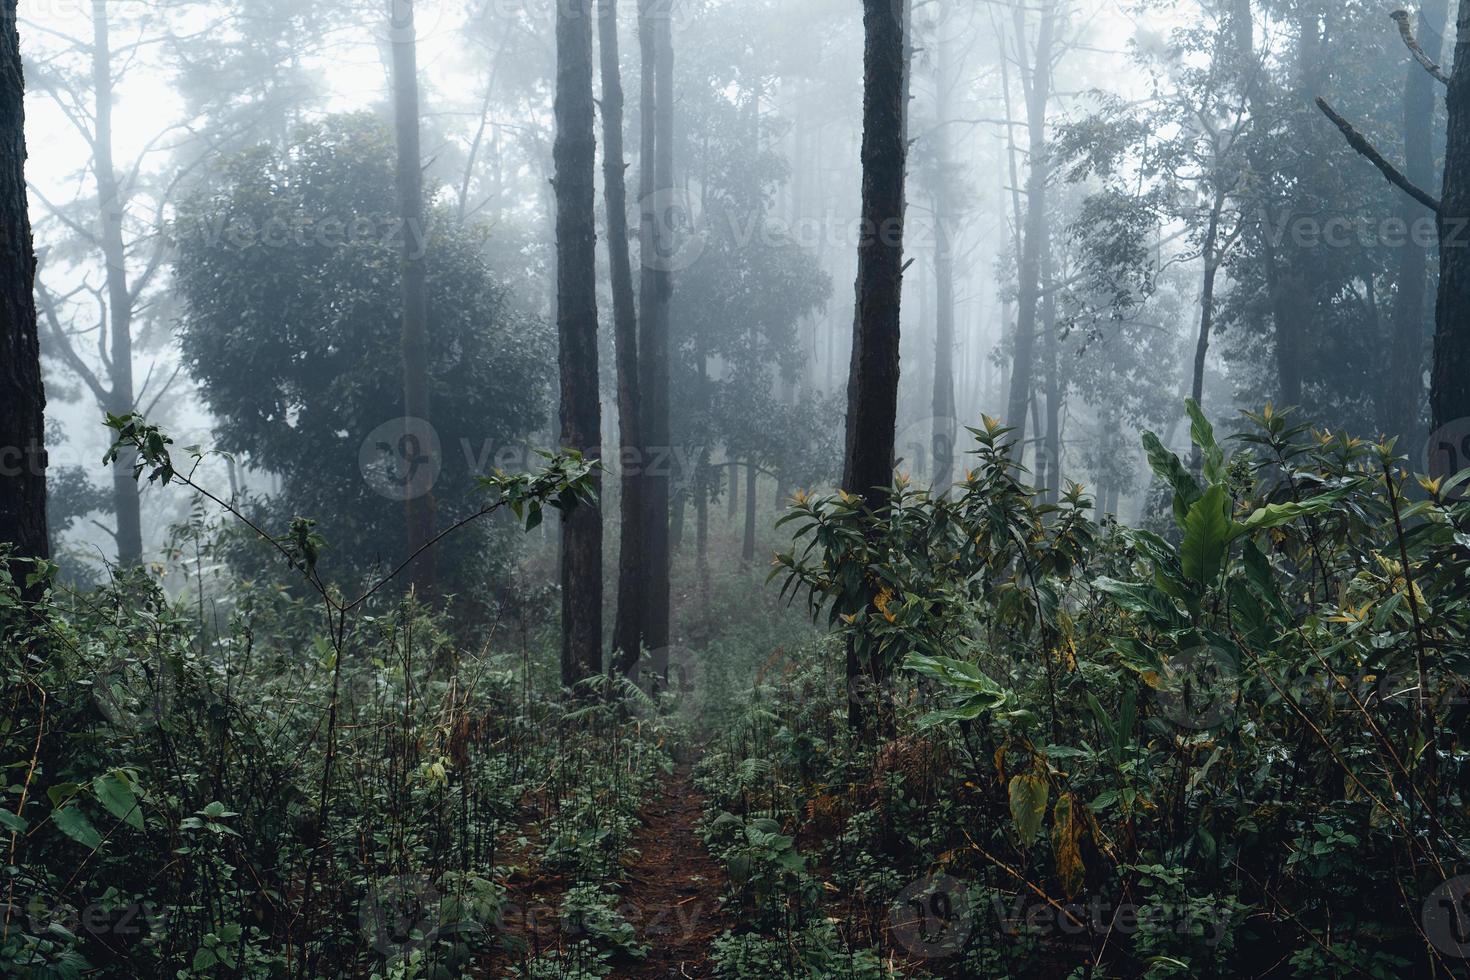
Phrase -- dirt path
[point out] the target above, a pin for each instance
(674, 886)
(671, 895)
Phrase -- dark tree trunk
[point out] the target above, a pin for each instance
(1038, 94)
(657, 187)
(575, 154)
(628, 623)
(732, 497)
(418, 508)
(119, 294)
(1206, 311)
(872, 394)
(1450, 391)
(22, 395)
(1404, 389)
(872, 398)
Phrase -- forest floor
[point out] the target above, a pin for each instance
(675, 886)
(671, 895)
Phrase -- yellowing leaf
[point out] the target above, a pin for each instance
(1065, 834)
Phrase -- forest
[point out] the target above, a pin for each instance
(734, 489)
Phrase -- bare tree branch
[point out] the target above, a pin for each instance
(1358, 142)
(1406, 31)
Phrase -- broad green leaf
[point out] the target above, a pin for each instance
(74, 824)
(1163, 462)
(1206, 536)
(1028, 794)
(115, 792)
(1275, 515)
(1203, 434)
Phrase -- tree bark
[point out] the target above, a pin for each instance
(872, 394)
(575, 155)
(1038, 94)
(656, 288)
(627, 624)
(1449, 390)
(418, 508)
(1404, 387)
(872, 400)
(22, 393)
(119, 295)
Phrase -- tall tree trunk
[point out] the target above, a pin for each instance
(1449, 393)
(657, 186)
(418, 508)
(942, 404)
(575, 155)
(872, 395)
(628, 623)
(1404, 387)
(119, 294)
(22, 394)
(1038, 94)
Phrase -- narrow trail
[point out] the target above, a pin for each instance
(675, 886)
(671, 895)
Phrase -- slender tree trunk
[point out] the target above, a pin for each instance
(418, 508)
(942, 404)
(1404, 387)
(701, 537)
(752, 473)
(22, 394)
(1038, 94)
(628, 624)
(872, 399)
(732, 498)
(119, 295)
(1206, 311)
(1053, 383)
(575, 154)
(656, 41)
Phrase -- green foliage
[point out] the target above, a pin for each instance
(289, 270)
